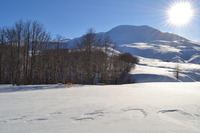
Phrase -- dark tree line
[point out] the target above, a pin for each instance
(27, 57)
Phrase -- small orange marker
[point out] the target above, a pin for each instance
(69, 84)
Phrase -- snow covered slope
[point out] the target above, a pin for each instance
(138, 108)
(195, 59)
(154, 70)
(171, 51)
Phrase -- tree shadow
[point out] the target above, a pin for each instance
(11, 88)
(143, 78)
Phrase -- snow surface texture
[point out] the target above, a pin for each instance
(138, 108)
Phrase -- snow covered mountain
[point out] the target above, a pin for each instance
(126, 34)
(149, 42)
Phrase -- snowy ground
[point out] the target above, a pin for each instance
(135, 108)
(154, 70)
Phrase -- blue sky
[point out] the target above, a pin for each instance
(71, 18)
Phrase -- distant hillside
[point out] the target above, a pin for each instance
(172, 51)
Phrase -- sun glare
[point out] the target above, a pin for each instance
(180, 13)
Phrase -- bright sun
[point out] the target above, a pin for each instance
(180, 13)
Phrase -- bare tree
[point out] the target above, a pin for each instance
(177, 71)
(2, 42)
(18, 29)
(57, 61)
(26, 50)
(39, 41)
(87, 44)
(28, 56)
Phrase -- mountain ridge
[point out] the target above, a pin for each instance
(126, 34)
(123, 34)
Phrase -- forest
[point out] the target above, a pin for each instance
(29, 55)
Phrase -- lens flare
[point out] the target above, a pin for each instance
(180, 13)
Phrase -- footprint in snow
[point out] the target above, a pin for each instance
(95, 113)
(135, 113)
(37, 119)
(180, 117)
(13, 119)
(176, 115)
(82, 118)
(89, 116)
(55, 113)
(197, 115)
(4, 121)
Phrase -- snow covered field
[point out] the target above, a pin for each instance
(134, 108)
